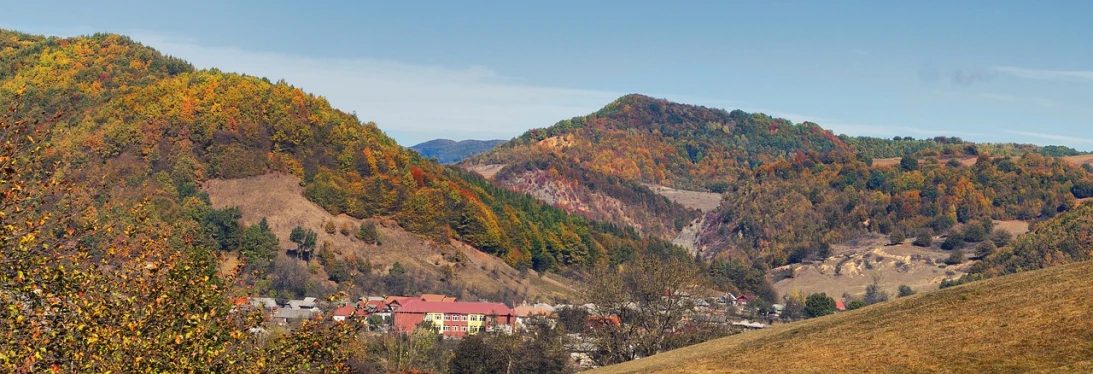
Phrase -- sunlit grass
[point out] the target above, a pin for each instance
(1033, 321)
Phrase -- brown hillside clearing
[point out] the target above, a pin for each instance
(701, 201)
(486, 171)
(1080, 159)
(279, 198)
(966, 161)
(854, 263)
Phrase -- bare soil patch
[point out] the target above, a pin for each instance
(701, 201)
(1014, 227)
(1080, 159)
(966, 160)
(486, 171)
(851, 272)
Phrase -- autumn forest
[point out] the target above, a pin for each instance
(111, 245)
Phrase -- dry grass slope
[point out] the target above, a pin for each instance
(279, 198)
(1037, 321)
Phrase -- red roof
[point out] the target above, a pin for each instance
(349, 310)
(840, 305)
(455, 307)
(401, 300)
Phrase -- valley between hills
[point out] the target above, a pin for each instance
(158, 217)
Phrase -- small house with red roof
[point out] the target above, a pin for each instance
(392, 303)
(840, 305)
(745, 299)
(454, 319)
(349, 311)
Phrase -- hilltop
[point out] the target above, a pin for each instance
(1029, 322)
(447, 151)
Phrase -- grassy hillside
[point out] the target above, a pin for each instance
(447, 151)
(1027, 322)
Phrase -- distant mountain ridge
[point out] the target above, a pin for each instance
(447, 151)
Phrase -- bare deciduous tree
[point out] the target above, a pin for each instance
(640, 307)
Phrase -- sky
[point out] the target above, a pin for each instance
(988, 71)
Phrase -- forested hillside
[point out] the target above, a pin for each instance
(1063, 239)
(790, 191)
(683, 146)
(447, 151)
(111, 245)
(154, 127)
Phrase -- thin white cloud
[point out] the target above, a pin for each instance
(1062, 139)
(1045, 74)
(412, 103)
(895, 130)
(1010, 99)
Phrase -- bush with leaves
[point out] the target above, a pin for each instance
(956, 257)
(258, 246)
(368, 233)
(305, 241)
(905, 290)
(953, 242)
(819, 304)
(223, 226)
(1000, 237)
(924, 239)
(985, 249)
(897, 237)
(975, 232)
(873, 293)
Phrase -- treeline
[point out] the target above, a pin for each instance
(899, 146)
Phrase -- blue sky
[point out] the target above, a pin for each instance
(983, 70)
